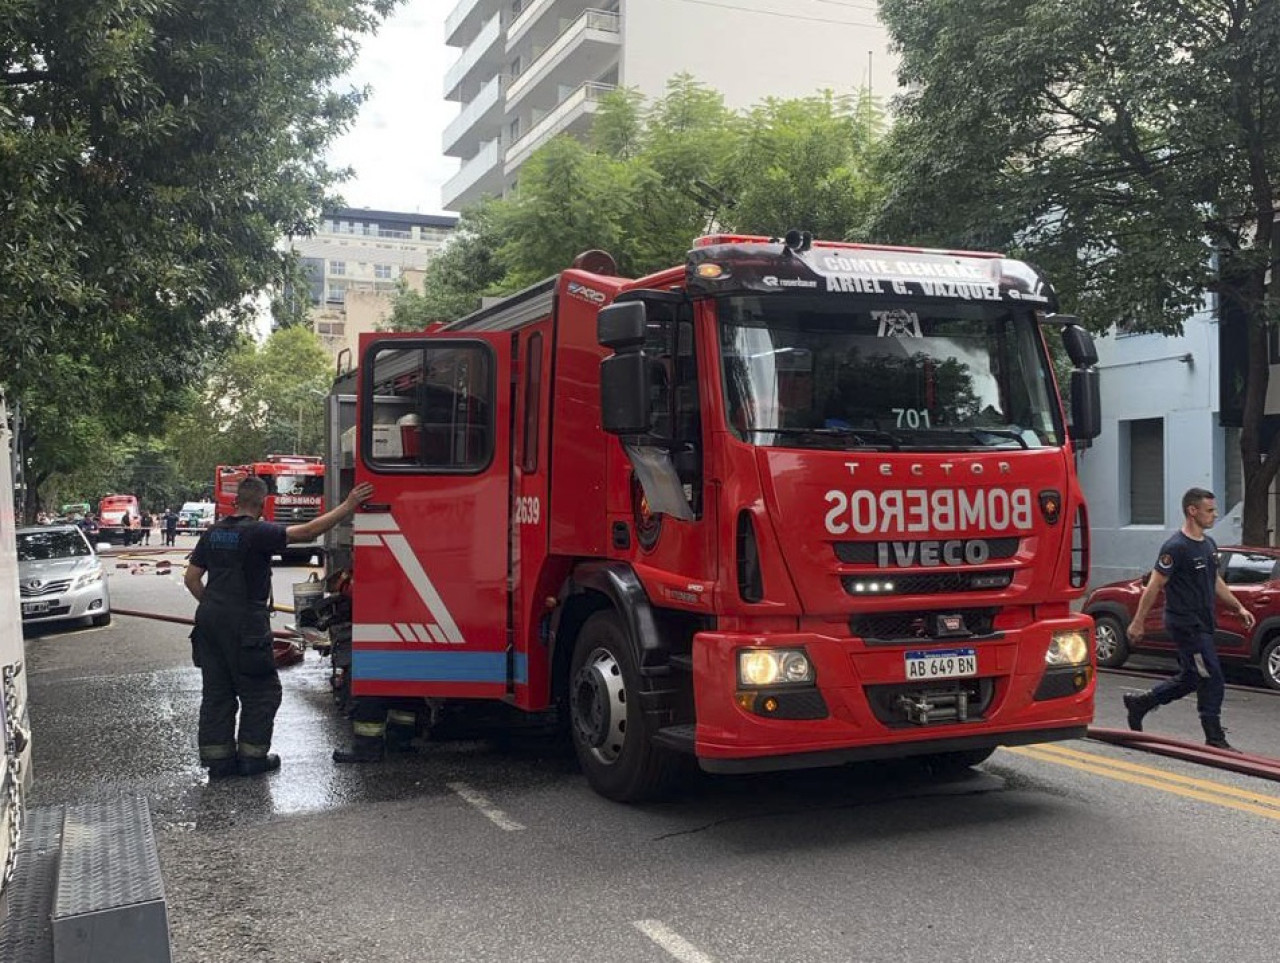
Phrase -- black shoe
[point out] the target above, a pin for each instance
(1215, 736)
(253, 765)
(1137, 704)
(223, 768)
(363, 749)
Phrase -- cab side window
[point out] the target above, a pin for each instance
(428, 406)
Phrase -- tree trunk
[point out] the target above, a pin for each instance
(1257, 483)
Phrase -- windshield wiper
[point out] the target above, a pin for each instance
(859, 436)
(977, 433)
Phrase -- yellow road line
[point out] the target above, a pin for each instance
(1212, 793)
(1265, 799)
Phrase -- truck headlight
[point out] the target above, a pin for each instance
(1068, 648)
(88, 578)
(764, 667)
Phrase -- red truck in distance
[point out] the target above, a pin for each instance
(119, 519)
(790, 503)
(295, 493)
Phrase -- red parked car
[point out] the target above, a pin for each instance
(1253, 575)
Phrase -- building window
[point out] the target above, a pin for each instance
(382, 272)
(337, 293)
(1234, 473)
(1146, 471)
(337, 267)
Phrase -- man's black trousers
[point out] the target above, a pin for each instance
(232, 646)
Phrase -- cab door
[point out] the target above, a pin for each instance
(431, 551)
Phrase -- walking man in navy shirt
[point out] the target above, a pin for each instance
(1187, 571)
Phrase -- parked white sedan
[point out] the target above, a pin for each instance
(60, 576)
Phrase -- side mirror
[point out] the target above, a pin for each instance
(1079, 344)
(1086, 405)
(624, 394)
(624, 377)
(621, 326)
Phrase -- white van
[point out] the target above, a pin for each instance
(195, 516)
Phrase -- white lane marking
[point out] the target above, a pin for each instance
(672, 942)
(481, 802)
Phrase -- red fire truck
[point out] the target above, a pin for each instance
(295, 493)
(792, 503)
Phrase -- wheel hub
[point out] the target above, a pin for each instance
(1106, 642)
(598, 706)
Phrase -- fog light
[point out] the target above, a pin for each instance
(1068, 648)
(763, 667)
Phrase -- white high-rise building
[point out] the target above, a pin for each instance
(531, 69)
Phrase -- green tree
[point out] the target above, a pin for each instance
(151, 154)
(652, 178)
(1132, 148)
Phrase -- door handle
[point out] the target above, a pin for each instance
(375, 507)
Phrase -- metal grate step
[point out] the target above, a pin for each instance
(109, 901)
(27, 933)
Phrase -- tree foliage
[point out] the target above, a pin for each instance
(152, 154)
(650, 179)
(1132, 148)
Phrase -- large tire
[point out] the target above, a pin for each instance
(1111, 641)
(1269, 662)
(608, 728)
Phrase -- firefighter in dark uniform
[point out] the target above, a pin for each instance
(1187, 571)
(229, 575)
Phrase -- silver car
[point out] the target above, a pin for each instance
(60, 576)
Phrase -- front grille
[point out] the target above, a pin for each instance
(982, 580)
(47, 588)
(867, 553)
(891, 627)
(956, 701)
(290, 514)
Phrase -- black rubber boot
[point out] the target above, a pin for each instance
(1138, 704)
(363, 749)
(223, 768)
(253, 765)
(1215, 735)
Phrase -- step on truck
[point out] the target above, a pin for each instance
(792, 503)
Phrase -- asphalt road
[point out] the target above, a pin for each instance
(471, 850)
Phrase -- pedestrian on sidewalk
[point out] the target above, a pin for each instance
(1187, 571)
(229, 575)
(146, 528)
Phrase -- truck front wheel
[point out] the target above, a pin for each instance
(610, 734)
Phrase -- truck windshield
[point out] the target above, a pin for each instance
(294, 484)
(815, 373)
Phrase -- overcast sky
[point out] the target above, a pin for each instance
(394, 145)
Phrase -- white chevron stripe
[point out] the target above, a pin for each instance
(375, 522)
(366, 632)
(369, 541)
(437, 635)
(405, 632)
(412, 568)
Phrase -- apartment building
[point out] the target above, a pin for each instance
(531, 69)
(355, 262)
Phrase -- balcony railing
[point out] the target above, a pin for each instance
(564, 113)
(475, 51)
(527, 18)
(487, 158)
(490, 96)
(602, 21)
(458, 16)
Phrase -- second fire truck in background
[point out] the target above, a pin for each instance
(295, 493)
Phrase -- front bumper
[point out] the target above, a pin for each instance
(93, 599)
(1016, 699)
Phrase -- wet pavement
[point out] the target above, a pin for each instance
(1027, 858)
